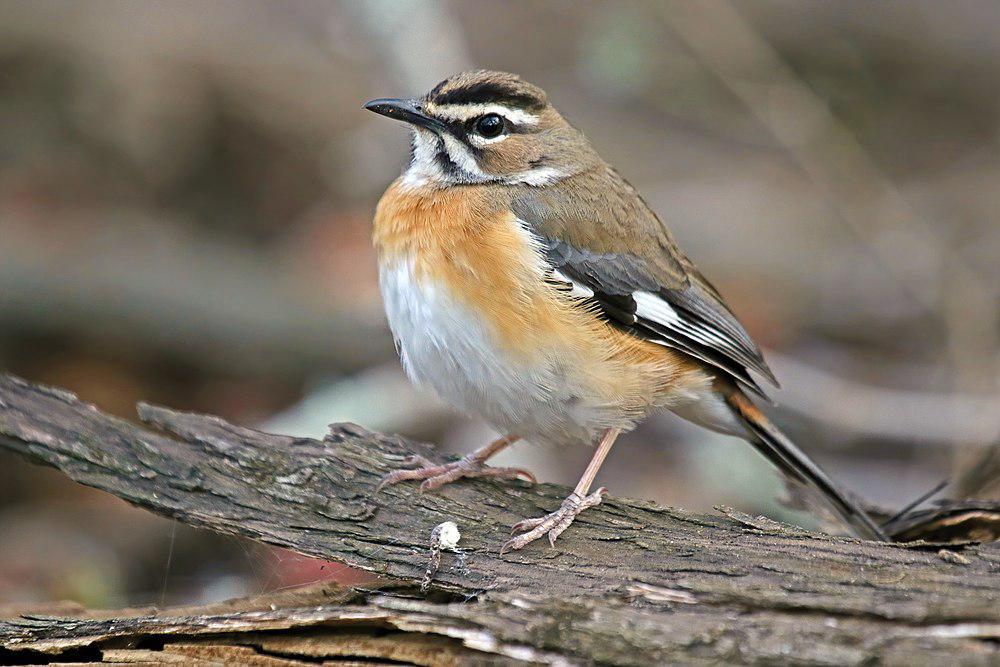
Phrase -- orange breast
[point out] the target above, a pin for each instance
(467, 241)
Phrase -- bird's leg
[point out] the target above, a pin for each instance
(556, 522)
(471, 465)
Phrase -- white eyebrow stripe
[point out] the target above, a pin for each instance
(469, 111)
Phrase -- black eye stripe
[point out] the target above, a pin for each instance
(462, 128)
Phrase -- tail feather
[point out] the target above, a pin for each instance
(778, 449)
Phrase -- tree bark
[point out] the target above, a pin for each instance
(630, 583)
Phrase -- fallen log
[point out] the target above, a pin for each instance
(631, 583)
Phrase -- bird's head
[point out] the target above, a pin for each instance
(487, 127)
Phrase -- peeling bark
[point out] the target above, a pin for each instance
(630, 583)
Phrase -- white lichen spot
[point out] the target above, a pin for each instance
(446, 535)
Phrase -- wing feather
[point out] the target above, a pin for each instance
(692, 319)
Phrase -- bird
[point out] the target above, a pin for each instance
(526, 282)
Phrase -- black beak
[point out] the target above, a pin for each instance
(408, 111)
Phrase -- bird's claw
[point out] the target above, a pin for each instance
(435, 476)
(552, 524)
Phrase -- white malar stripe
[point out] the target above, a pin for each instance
(423, 166)
(469, 111)
(461, 156)
(578, 290)
(651, 307)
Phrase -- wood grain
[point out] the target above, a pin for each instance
(630, 583)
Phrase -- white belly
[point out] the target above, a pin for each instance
(444, 345)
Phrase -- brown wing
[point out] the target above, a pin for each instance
(614, 249)
(617, 254)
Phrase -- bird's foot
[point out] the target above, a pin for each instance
(554, 524)
(435, 476)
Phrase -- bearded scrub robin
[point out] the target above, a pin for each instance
(526, 282)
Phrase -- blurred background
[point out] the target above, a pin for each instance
(186, 191)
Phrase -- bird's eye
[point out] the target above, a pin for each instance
(489, 126)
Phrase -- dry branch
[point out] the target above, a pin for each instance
(632, 582)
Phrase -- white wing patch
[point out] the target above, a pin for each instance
(688, 319)
(576, 289)
(650, 307)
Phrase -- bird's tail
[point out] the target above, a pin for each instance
(780, 451)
